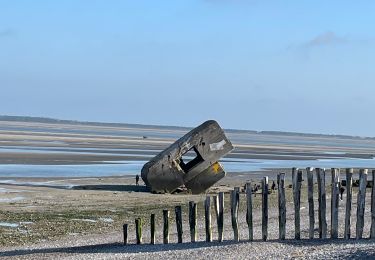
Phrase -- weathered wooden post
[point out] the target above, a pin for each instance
(215, 199)
(217, 211)
(179, 223)
(138, 230)
(335, 202)
(310, 197)
(372, 233)
(234, 213)
(193, 220)
(220, 220)
(249, 212)
(361, 202)
(152, 226)
(297, 179)
(125, 233)
(321, 176)
(207, 214)
(348, 211)
(282, 205)
(166, 226)
(265, 208)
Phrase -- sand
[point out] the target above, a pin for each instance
(83, 217)
(108, 245)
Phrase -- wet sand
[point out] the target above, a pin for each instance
(86, 223)
(89, 144)
(37, 211)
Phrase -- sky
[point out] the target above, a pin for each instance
(300, 66)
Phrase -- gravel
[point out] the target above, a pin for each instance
(108, 246)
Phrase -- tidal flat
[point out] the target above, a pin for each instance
(63, 181)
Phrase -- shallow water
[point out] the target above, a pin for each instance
(18, 198)
(256, 165)
(126, 168)
(84, 170)
(7, 224)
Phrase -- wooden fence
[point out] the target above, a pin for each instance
(218, 203)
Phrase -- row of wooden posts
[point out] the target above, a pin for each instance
(218, 202)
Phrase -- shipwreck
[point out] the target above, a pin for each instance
(191, 162)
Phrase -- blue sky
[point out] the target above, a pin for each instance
(305, 66)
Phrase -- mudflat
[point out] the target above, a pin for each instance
(79, 143)
(50, 210)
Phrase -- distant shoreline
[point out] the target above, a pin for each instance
(184, 128)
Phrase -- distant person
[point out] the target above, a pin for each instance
(137, 180)
(342, 189)
(273, 187)
(255, 190)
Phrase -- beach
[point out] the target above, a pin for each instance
(90, 224)
(66, 190)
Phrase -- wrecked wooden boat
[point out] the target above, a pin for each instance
(191, 162)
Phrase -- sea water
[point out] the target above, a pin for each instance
(127, 168)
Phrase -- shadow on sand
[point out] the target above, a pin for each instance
(112, 187)
(112, 248)
(104, 187)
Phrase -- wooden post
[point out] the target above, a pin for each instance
(234, 213)
(152, 226)
(282, 205)
(249, 213)
(138, 230)
(310, 196)
(179, 223)
(193, 220)
(207, 214)
(125, 232)
(335, 202)
(220, 220)
(372, 233)
(166, 226)
(349, 192)
(216, 206)
(297, 179)
(217, 211)
(321, 176)
(265, 208)
(361, 202)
